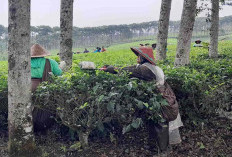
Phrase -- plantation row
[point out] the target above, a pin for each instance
(87, 100)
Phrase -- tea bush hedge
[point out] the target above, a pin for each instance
(202, 87)
(87, 100)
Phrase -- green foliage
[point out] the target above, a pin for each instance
(196, 85)
(205, 45)
(201, 87)
(76, 146)
(3, 75)
(84, 100)
(3, 95)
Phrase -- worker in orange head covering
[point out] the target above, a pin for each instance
(147, 70)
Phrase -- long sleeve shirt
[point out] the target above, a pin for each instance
(138, 71)
(37, 67)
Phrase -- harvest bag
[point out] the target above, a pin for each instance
(171, 111)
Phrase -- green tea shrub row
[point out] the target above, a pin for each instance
(85, 101)
(202, 88)
(197, 85)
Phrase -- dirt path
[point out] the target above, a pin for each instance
(213, 140)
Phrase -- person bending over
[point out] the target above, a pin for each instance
(147, 70)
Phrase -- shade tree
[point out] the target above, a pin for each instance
(66, 24)
(185, 33)
(163, 29)
(21, 138)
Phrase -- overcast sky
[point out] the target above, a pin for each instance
(90, 13)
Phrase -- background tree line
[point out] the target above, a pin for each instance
(107, 35)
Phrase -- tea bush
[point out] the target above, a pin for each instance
(196, 83)
(3, 75)
(87, 100)
(202, 87)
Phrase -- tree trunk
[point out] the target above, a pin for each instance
(185, 33)
(83, 138)
(66, 24)
(213, 46)
(163, 29)
(21, 138)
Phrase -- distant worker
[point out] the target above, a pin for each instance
(98, 49)
(197, 43)
(103, 49)
(86, 51)
(153, 46)
(78, 52)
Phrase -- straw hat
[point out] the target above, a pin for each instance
(38, 51)
(146, 52)
(198, 41)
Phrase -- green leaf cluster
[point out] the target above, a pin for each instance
(85, 101)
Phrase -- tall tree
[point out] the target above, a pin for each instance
(185, 32)
(213, 46)
(163, 29)
(2, 30)
(21, 138)
(66, 24)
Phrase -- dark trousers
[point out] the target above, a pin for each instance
(158, 135)
(42, 120)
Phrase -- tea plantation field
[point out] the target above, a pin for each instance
(195, 83)
(201, 66)
(202, 88)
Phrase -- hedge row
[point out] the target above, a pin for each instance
(201, 88)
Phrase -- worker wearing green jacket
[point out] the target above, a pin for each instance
(40, 69)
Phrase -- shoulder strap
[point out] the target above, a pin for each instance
(158, 73)
(47, 69)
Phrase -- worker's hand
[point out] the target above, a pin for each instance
(109, 68)
(62, 65)
(104, 68)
